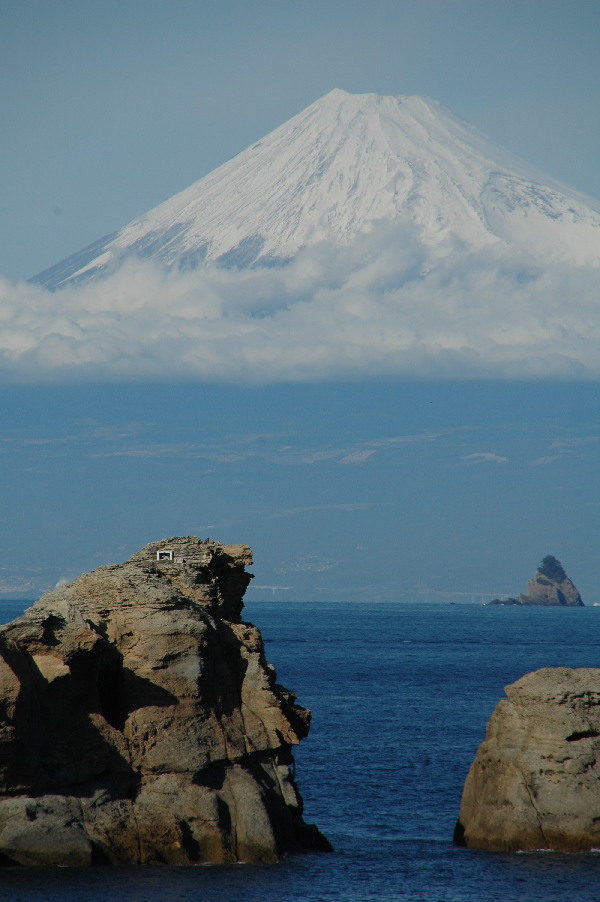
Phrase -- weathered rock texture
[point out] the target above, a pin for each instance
(141, 723)
(535, 781)
(549, 587)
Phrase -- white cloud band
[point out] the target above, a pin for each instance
(385, 305)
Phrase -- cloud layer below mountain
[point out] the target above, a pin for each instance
(385, 305)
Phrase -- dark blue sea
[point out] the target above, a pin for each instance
(400, 695)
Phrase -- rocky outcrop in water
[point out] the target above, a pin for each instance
(549, 587)
(140, 722)
(535, 781)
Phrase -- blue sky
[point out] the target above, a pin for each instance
(110, 107)
(397, 488)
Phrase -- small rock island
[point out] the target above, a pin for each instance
(549, 587)
(535, 781)
(140, 722)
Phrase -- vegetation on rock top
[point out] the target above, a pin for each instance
(551, 568)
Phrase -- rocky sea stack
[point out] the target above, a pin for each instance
(535, 781)
(140, 722)
(549, 587)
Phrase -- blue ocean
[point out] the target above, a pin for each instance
(400, 694)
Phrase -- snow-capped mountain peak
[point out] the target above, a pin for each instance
(331, 172)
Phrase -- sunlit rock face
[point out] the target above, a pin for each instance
(141, 723)
(535, 781)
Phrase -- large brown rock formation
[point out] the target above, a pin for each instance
(535, 781)
(141, 723)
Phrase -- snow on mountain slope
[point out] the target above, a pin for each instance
(336, 170)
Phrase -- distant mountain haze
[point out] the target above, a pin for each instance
(345, 165)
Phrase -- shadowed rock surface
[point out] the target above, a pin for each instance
(140, 722)
(535, 781)
(549, 587)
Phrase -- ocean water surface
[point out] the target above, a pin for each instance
(400, 694)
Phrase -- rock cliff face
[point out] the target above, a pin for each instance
(549, 587)
(535, 781)
(140, 722)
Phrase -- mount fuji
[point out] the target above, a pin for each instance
(343, 166)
